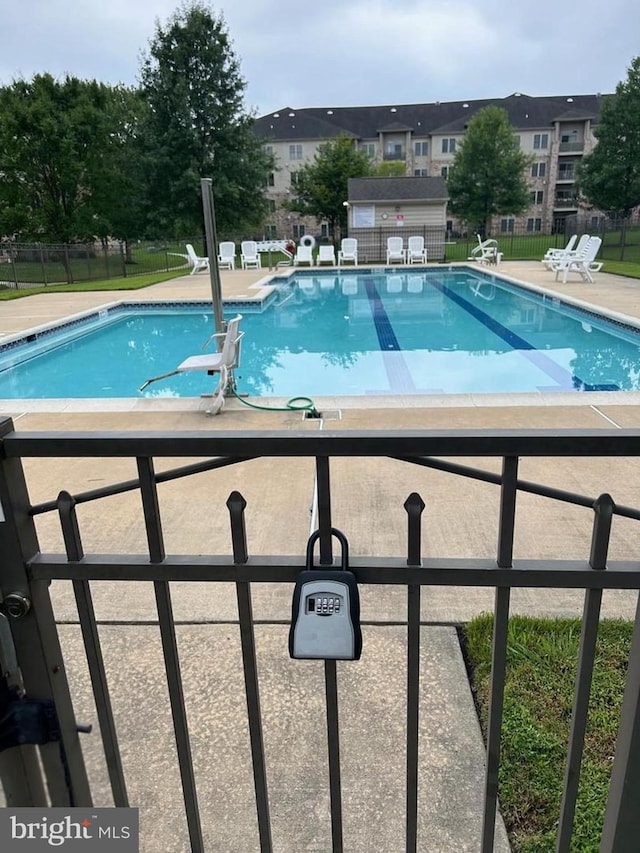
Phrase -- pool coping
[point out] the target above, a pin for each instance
(264, 289)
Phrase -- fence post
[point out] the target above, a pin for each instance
(14, 258)
(37, 649)
(105, 247)
(44, 272)
(67, 264)
(123, 260)
(623, 238)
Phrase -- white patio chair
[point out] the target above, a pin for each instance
(395, 250)
(221, 363)
(249, 255)
(195, 262)
(560, 254)
(303, 255)
(416, 251)
(326, 255)
(227, 255)
(348, 251)
(585, 264)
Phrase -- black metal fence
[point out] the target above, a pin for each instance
(42, 264)
(26, 573)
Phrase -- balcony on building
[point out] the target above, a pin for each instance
(575, 147)
(565, 201)
(566, 175)
(395, 152)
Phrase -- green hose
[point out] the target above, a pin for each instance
(293, 404)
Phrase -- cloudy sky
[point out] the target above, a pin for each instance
(347, 52)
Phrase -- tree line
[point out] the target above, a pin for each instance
(80, 159)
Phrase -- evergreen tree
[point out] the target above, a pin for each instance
(196, 127)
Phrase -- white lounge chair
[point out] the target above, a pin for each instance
(556, 252)
(348, 251)
(395, 250)
(304, 255)
(560, 254)
(227, 255)
(486, 252)
(585, 264)
(249, 255)
(221, 363)
(326, 255)
(196, 263)
(416, 251)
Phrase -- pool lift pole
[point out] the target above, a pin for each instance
(206, 187)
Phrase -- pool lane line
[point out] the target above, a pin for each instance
(398, 374)
(384, 330)
(562, 377)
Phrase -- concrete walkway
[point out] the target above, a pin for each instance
(367, 504)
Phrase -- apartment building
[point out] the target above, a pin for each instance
(557, 131)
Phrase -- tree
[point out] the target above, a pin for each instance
(609, 176)
(196, 126)
(58, 141)
(487, 177)
(321, 186)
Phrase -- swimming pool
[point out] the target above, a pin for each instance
(432, 331)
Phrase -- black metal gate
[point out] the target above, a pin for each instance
(42, 760)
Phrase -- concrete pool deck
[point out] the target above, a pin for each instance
(460, 521)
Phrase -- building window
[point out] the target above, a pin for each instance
(294, 180)
(421, 149)
(368, 148)
(420, 173)
(268, 149)
(271, 179)
(540, 140)
(534, 224)
(538, 170)
(271, 205)
(326, 230)
(537, 197)
(596, 223)
(506, 226)
(444, 171)
(270, 232)
(295, 152)
(448, 146)
(298, 232)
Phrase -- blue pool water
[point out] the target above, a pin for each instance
(435, 331)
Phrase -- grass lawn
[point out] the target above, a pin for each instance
(129, 283)
(541, 664)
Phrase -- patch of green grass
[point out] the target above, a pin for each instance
(629, 268)
(541, 666)
(133, 283)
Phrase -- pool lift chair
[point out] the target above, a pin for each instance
(221, 363)
(486, 252)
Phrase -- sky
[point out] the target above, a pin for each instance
(347, 52)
